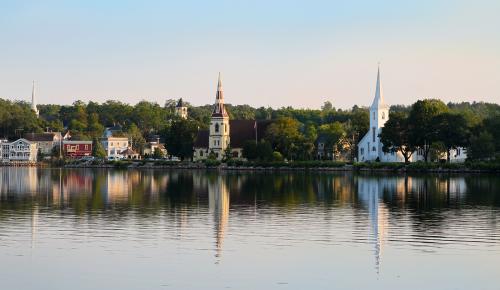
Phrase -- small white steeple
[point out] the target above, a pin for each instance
(33, 100)
(378, 101)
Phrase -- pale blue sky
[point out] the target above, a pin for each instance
(275, 53)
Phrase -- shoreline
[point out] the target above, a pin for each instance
(298, 166)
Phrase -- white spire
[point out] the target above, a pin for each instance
(33, 100)
(378, 102)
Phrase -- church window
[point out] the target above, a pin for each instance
(373, 134)
(362, 151)
(215, 143)
(374, 149)
(201, 153)
(383, 115)
(373, 115)
(225, 127)
(216, 127)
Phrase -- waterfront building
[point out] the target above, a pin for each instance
(46, 141)
(20, 150)
(181, 109)
(225, 133)
(154, 144)
(77, 149)
(114, 146)
(370, 146)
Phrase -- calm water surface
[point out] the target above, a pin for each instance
(111, 229)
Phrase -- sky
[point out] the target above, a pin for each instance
(270, 53)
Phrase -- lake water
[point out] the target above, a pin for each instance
(159, 229)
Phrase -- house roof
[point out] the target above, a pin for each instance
(47, 136)
(128, 151)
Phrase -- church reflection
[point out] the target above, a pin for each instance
(370, 194)
(218, 203)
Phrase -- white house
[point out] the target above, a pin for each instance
(20, 150)
(46, 141)
(114, 146)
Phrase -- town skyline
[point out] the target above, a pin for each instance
(297, 54)
(35, 91)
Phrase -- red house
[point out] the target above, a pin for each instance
(77, 149)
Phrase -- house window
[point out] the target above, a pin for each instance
(216, 127)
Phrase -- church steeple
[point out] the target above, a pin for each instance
(219, 109)
(33, 100)
(378, 101)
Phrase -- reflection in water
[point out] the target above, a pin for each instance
(281, 219)
(218, 202)
(370, 193)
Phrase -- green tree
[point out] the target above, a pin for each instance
(420, 119)
(282, 134)
(264, 151)
(327, 106)
(332, 134)
(452, 130)
(481, 146)
(158, 154)
(98, 150)
(395, 136)
(250, 150)
(94, 128)
(137, 140)
(180, 138)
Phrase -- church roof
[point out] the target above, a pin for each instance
(378, 101)
(240, 131)
(219, 108)
(201, 140)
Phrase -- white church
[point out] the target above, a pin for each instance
(370, 147)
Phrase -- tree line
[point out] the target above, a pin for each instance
(428, 125)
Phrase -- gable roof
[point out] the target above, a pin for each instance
(240, 131)
(47, 136)
(201, 140)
